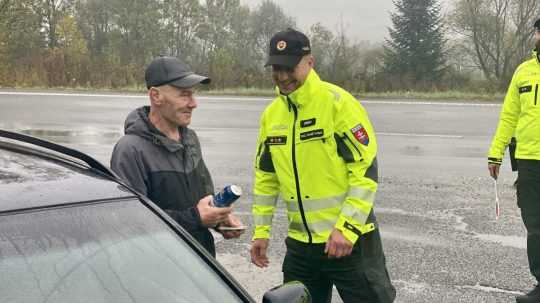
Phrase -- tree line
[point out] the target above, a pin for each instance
(108, 43)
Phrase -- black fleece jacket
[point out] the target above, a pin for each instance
(171, 173)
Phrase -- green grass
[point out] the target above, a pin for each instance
(267, 92)
(445, 95)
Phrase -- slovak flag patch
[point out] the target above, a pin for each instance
(360, 133)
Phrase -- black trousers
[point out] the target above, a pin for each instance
(528, 196)
(360, 277)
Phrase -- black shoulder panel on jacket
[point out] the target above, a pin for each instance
(342, 150)
(265, 162)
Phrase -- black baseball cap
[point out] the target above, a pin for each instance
(172, 71)
(287, 48)
(537, 24)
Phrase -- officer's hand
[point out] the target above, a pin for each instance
(494, 170)
(258, 252)
(337, 245)
(231, 221)
(210, 215)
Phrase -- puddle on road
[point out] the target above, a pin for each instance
(90, 135)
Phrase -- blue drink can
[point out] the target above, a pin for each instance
(227, 195)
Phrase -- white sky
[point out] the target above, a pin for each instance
(362, 19)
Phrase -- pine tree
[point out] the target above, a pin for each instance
(414, 51)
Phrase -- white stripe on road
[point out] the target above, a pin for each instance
(419, 135)
(432, 103)
(71, 95)
(239, 129)
(246, 99)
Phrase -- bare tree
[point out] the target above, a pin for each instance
(499, 33)
(4, 6)
(52, 11)
(182, 20)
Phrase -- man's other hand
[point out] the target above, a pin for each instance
(231, 221)
(337, 245)
(258, 252)
(494, 170)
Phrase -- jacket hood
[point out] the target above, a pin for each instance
(137, 123)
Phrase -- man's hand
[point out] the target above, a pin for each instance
(494, 170)
(258, 252)
(231, 221)
(337, 245)
(210, 215)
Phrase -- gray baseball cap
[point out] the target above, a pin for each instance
(172, 71)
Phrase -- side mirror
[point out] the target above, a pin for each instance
(291, 292)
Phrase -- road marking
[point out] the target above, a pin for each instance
(419, 135)
(432, 103)
(490, 289)
(70, 95)
(267, 99)
(247, 129)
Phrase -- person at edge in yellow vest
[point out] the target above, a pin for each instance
(520, 114)
(317, 149)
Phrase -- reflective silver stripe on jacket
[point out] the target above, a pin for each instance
(357, 214)
(264, 200)
(262, 220)
(362, 194)
(316, 204)
(314, 227)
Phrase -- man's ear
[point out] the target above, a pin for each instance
(155, 96)
(311, 61)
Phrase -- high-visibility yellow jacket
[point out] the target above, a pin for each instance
(520, 114)
(316, 148)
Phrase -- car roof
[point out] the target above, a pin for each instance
(33, 176)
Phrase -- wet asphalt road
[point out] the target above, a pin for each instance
(435, 203)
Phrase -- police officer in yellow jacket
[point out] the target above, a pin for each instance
(521, 114)
(317, 150)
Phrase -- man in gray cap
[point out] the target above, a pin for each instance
(161, 157)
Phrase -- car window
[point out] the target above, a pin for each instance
(109, 252)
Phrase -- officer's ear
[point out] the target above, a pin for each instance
(310, 60)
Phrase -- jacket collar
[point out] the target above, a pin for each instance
(536, 56)
(138, 123)
(303, 94)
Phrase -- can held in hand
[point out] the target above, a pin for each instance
(227, 195)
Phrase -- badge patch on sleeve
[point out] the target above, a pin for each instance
(360, 133)
(525, 89)
(276, 140)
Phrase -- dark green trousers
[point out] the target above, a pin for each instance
(528, 196)
(360, 277)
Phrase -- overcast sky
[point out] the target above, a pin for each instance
(362, 19)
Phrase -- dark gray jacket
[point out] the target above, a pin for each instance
(172, 174)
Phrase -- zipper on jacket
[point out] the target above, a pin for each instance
(296, 178)
(535, 94)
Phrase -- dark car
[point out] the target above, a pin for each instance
(71, 231)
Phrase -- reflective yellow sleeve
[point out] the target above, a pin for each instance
(265, 189)
(359, 135)
(507, 122)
